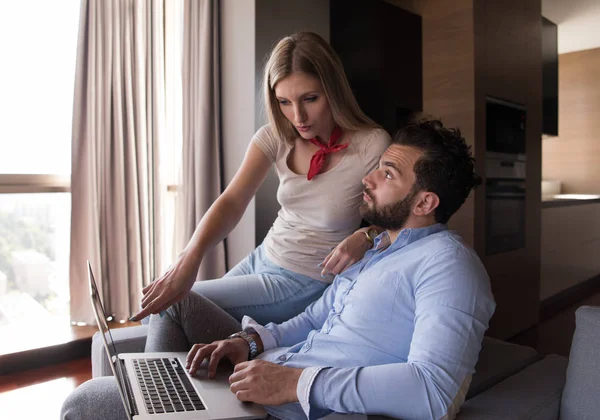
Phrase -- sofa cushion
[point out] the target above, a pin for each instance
(497, 361)
(126, 339)
(531, 394)
(581, 396)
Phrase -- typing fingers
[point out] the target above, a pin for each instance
(196, 356)
(215, 358)
(241, 389)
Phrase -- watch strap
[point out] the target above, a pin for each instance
(371, 234)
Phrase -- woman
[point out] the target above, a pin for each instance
(321, 145)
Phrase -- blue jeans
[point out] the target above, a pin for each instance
(262, 290)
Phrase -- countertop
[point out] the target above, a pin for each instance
(569, 200)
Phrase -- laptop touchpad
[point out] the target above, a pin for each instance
(221, 379)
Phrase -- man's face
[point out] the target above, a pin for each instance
(389, 197)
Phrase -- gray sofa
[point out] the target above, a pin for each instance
(511, 381)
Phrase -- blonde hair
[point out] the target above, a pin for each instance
(309, 53)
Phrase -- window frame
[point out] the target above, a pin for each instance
(34, 183)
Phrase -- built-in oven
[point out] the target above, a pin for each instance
(505, 206)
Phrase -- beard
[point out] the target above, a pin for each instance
(391, 216)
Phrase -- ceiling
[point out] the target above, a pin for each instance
(578, 23)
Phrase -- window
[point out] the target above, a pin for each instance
(171, 146)
(38, 43)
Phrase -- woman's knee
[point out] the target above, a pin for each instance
(95, 399)
(191, 302)
(197, 287)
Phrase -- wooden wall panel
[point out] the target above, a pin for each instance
(472, 49)
(448, 88)
(448, 80)
(574, 156)
(508, 65)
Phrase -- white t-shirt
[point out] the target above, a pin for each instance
(317, 215)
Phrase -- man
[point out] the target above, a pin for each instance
(398, 333)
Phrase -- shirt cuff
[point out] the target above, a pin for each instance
(304, 385)
(250, 325)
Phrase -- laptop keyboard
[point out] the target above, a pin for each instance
(165, 386)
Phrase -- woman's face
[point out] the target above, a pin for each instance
(303, 102)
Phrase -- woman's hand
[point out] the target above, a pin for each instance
(170, 288)
(349, 251)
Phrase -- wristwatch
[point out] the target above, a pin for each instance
(371, 234)
(253, 346)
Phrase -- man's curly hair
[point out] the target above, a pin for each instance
(446, 167)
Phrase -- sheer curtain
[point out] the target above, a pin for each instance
(201, 177)
(146, 147)
(118, 121)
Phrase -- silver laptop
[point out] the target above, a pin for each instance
(157, 385)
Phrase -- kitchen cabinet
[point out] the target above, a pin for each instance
(570, 246)
(550, 77)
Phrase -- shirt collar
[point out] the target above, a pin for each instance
(407, 236)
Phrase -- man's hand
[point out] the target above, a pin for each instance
(236, 350)
(265, 383)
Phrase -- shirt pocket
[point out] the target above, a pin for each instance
(373, 298)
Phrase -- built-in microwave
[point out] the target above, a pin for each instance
(505, 127)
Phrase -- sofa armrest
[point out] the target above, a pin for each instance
(127, 340)
(532, 394)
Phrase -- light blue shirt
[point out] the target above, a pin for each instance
(396, 334)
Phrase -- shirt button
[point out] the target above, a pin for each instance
(282, 358)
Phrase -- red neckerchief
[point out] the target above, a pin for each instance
(318, 159)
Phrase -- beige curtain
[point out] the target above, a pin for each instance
(118, 120)
(201, 181)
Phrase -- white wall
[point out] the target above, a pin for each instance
(249, 30)
(238, 104)
(276, 19)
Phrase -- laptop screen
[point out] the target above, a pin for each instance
(101, 315)
(109, 344)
